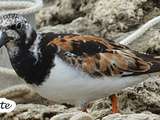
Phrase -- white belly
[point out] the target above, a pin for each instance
(69, 85)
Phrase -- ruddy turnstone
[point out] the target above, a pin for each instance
(72, 68)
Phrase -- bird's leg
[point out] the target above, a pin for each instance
(84, 109)
(84, 106)
(114, 104)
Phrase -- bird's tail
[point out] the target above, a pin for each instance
(154, 60)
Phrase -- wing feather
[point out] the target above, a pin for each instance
(98, 57)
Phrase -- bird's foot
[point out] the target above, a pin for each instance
(84, 106)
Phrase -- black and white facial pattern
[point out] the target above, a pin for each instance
(19, 32)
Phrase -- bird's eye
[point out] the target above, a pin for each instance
(18, 25)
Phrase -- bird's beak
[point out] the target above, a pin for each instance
(3, 39)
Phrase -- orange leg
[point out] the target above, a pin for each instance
(114, 104)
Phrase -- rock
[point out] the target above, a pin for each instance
(99, 114)
(23, 93)
(72, 116)
(81, 116)
(60, 11)
(48, 2)
(150, 40)
(64, 116)
(143, 97)
(101, 108)
(140, 116)
(112, 17)
(80, 25)
(33, 112)
(42, 112)
(17, 92)
(117, 15)
(8, 78)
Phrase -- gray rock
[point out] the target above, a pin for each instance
(80, 25)
(150, 39)
(111, 17)
(72, 116)
(81, 116)
(140, 116)
(60, 11)
(142, 97)
(64, 116)
(33, 112)
(117, 15)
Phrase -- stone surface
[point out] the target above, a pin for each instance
(151, 39)
(33, 112)
(142, 97)
(60, 11)
(72, 116)
(112, 17)
(78, 26)
(141, 116)
(81, 116)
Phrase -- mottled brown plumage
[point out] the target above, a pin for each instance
(98, 57)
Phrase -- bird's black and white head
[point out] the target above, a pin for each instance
(29, 52)
(15, 31)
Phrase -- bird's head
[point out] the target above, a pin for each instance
(15, 31)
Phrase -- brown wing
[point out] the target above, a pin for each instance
(97, 56)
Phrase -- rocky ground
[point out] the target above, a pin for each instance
(113, 20)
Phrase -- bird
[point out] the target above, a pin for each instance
(72, 68)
